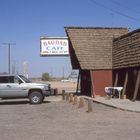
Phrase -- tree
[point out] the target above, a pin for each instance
(45, 76)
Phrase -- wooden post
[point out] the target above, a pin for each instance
(116, 80)
(136, 86)
(78, 81)
(75, 100)
(81, 102)
(71, 98)
(125, 86)
(90, 108)
(115, 83)
(56, 91)
(67, 97)
(63, 94)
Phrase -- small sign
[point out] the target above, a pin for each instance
(50, 46)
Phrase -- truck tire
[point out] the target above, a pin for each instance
(36, 97)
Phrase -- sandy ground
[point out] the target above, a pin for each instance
(68, 86)
(60, 120)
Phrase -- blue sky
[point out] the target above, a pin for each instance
(24, 21)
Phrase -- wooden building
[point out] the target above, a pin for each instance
(126, 64)
(91, 53)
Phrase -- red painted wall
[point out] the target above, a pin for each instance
(101, 79)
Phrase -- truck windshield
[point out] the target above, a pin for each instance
(25, 79)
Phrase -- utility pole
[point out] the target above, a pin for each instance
(63, 72)
(9, 56)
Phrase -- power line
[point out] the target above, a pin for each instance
(124, 6)
(115, 11)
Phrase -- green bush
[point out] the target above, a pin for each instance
(45, 76)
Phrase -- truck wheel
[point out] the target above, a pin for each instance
(36, 97)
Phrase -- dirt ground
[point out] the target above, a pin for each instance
(68, 86)
(60, 120)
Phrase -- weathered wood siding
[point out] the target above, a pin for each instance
(126, 50)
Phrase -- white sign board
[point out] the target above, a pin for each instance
(54, 46)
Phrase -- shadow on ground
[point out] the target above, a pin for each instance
(4, 102)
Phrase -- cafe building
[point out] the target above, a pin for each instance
(91, 52)
(126, 64)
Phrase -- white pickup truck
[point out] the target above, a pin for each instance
(18, 86)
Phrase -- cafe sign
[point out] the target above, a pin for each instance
(50, 46)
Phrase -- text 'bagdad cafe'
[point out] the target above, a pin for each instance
(50, 46)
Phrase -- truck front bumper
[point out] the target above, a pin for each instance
(46, 92)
